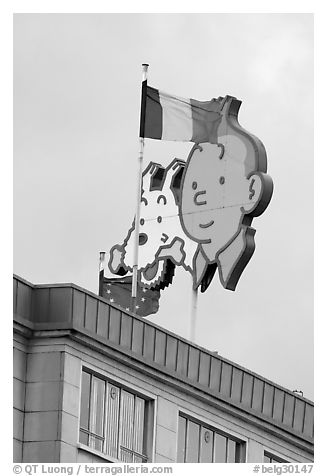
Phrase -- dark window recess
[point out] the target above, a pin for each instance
(199, 443)
(271, 458)
(114, 420)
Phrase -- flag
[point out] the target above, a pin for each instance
(167, 117)
(119, 291)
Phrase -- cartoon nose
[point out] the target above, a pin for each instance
(196, 198)
(143, 238)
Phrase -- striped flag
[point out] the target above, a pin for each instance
(167, 117)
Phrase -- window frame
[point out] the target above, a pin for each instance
(223, 431)
(150, 405)
(271, 454)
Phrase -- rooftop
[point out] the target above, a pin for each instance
(163, 354)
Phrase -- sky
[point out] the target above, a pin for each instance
(77, 80)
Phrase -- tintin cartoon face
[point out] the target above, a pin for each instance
(224, 186)
(217, 191)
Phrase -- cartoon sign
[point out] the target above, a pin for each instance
(162, 242)
(198, 214)
(224, 187)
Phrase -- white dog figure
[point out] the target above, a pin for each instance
(162, 241)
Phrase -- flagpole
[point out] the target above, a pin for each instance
(194, 309)
(138, 195)
(102, 258)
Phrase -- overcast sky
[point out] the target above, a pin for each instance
(77, 84)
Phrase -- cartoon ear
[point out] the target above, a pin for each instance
(260, 192)
(174, 178)
(152, 177)
(116, 263)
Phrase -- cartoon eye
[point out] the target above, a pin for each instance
(194, 185)
(142, 221)
(222, 180)
(144, 200)
(159, 219)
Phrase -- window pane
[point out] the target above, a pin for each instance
(231, 449)
(126, 424)
(99, 423)
(85, 401)
(138, 425)
(83, 438)
(240, 453)
(220, 448)
(97, 443)
(192, 444)
(97, 406)
(206, 454)
(181, 440)
(126, 456)
(97, 412)
(112, 420)
(270, 458)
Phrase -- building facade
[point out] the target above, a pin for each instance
(93, 383)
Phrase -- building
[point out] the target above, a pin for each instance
(93, 383)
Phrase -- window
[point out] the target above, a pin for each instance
(198, 443)
(114, 420)
(270, 458)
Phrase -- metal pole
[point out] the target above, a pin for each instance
(138, 203)
(101, 270)
(194, 308)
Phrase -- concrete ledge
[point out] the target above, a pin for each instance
(68, 310)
